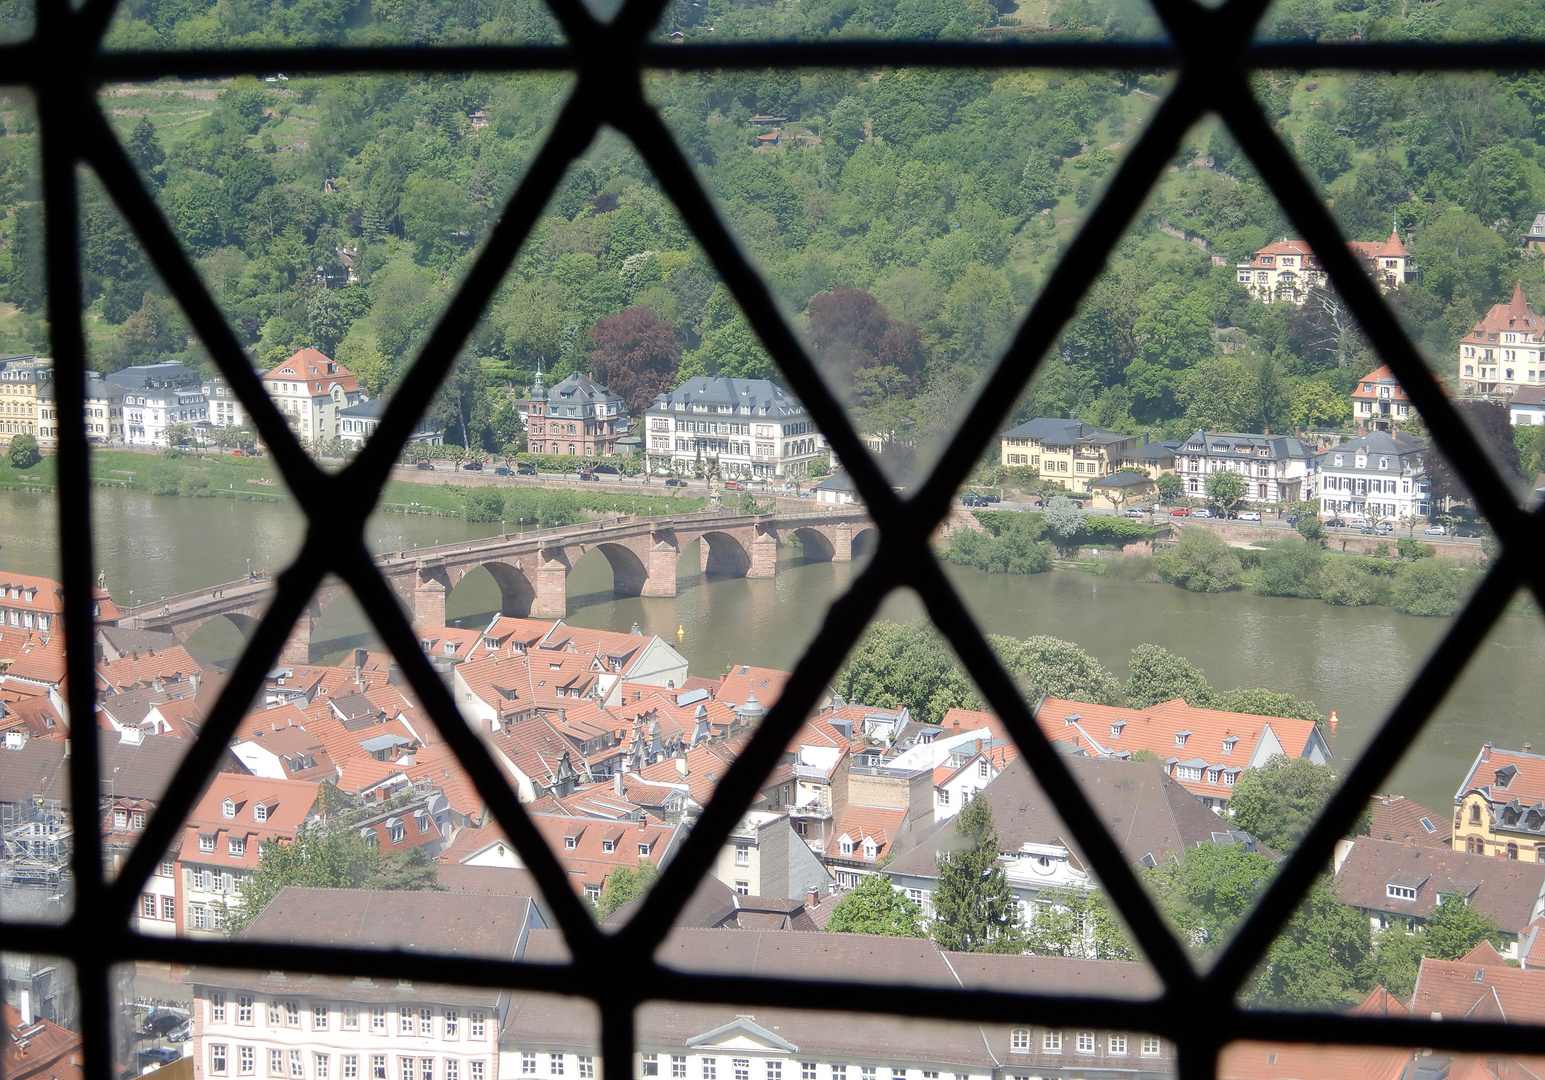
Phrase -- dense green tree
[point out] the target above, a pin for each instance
(624, 885)
(1279, 801)
(1077, 922)
(1201, 562)
(1225, 489)
(875, 906)
(974, 906)
(23, 453)
(1314, 962)
(1429, 587)
(906, 664)
(1289, 568)
(1063, 520)
(1345, 583)
(1160, 675)
(1262, 702)
(1048, 666)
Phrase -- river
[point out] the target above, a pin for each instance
(1353, 660)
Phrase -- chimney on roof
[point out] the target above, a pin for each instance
(1486, 752)
(956, 727)
(979, 746)
(617, 782)
(681, 767)
(24, 1003)
(813, 898)
(1528, 748)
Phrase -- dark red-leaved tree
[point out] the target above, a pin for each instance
(1493, 427)
(850, 330)
(636, 355)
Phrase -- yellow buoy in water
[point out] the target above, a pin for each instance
(681, 632)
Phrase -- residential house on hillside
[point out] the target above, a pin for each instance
(576, 418)
(325, 1027)
(751, 427)
(1205, 750)
(103, 409)
(1070, 452)
(223, 837)
(311, 391)
(1382, 475)
(1399, 885)
(1379, 402)
(553, 1038)
(1286, 270)
(1505, 351)
(225, 408)
(1153, 817)
(1527, 406)
(1499, 809)
(1275, 467)
(21, 377)
(358, 422)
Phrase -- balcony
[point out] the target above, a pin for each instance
(819, 810)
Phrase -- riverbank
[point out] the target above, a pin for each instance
(257, 479)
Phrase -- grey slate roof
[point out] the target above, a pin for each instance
(580, 389)
(1374, 445)
(758, 397)
(1508, 890)
(1243, 444)
(453, 924)
(1126, 478)
(1529, 395)
(838, 481)
(140, 376)
(40, 769)
(1052, 429)
(1147, 811)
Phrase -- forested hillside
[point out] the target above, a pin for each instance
(905, 218)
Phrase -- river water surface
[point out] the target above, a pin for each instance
(1356, 661)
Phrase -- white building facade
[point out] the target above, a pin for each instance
(751, 427)
(1379, 475)
(311, 390)
(1275, 467)
(147, 413)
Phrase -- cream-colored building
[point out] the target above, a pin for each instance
(20, 379)
(1498, 809)
(1505, 351)
(1070, 452)
(763, 856)
(1287, 270)
(310, 390)
(103, 409)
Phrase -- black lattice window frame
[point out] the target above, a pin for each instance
(1212, 52)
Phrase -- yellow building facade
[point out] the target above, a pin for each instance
(1499, 809)
(1069, 452)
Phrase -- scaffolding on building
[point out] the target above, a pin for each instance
(35, 840)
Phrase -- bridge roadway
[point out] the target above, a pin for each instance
(532, 568)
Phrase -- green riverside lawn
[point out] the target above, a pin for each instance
(224, 476)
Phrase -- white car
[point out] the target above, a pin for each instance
(1437, 530)
(1249, 515)
(1202, 513)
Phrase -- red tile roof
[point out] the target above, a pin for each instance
(1525, 782)
(1397, 818)
(1515, 316)
(1481, 985)
(1372, 380)
(287, 803)
(41, 1049)
(742, 681)
(309, 365)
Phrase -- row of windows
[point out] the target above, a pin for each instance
(25, 619)
(1084, 1042)
(292, 1064)
(584, 1065)
(411, 1019)
(152, 908)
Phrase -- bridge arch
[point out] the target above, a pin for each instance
(516, 593)
(816, 545)
(212, 637)
(725, 555)
(629, 574)
(865, 540)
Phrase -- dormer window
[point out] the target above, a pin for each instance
(1181, 737)
(228, 808)
(846, 845)
(1400, 892)
(643, 851)
(260, 812)
(870, 850)
(1229, 743)
(206, 843)
(1505, 775)
(1116, 729)
(1072, 718)
(608, 846)
(237, 846)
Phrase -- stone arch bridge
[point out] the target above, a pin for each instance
(532, 569)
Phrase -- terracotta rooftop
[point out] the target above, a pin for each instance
(1395, 817)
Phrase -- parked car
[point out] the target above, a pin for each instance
(969, 499)
(1202, 513)
(990, 497)
(182, 1034)
(238, 452)
(1179, 511)
(500, 470)
(1249, 515)
(159, 1055)
(734, 485)
(1437, 530)
(426, 466)
(1133, 512)
(526, 470)
(473, 466)
(1467, 531)
(1078, 504)
(1384, 528)
(673, 481)
(163, 1022)
(589, 476)
(1335, 523)
(807, 494)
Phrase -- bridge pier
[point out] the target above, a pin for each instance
(663, 557)
(842, 542)
(429, 603)
(297, 647)
(551, 584)
(764, 556)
